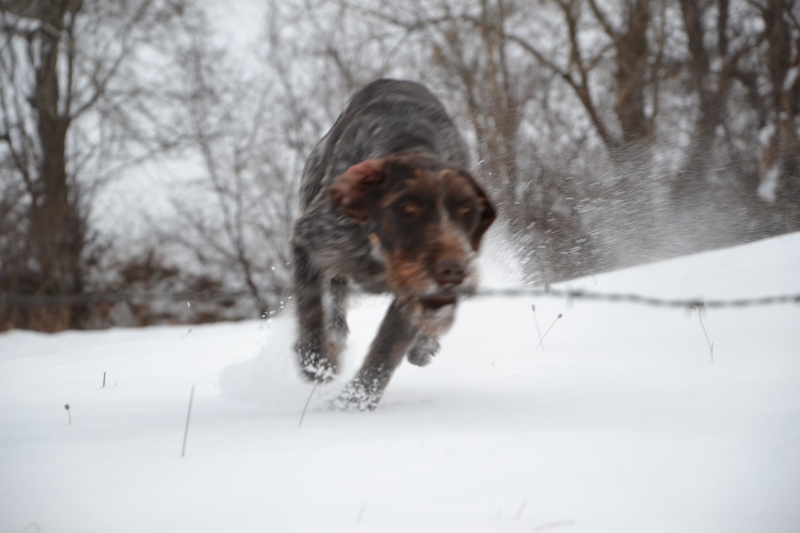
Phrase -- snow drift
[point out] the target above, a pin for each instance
(620, 420)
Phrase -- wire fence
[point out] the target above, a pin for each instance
(24, 300)
(633, 298)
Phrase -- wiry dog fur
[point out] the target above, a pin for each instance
(388, 205)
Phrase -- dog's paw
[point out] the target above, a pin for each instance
(319, 372)
(423, 351)
(419, 357)
(357, 397)
(315, 366)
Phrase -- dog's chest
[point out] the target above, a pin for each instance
(342, 247)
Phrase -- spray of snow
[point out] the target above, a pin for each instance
(499, 261)
(272, 377)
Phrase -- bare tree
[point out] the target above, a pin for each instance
(250, 129)
(606, 129)
(71, 109)
(779, 169)
(709, 67)
(609, 133)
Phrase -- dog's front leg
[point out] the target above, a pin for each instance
(340, 296)
(395, 336)
(424, 349)
(317, 362)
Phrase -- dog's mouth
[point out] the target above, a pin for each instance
(437, 301)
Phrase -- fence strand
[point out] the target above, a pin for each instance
(24, 300)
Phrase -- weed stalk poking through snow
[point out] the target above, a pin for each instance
(360, 516)
(188, 418)
(548, 330)
(538, 331)
(521, 508)
(69, 415)
(708, 340)
(308, 401)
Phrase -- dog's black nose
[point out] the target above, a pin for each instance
(450, 272)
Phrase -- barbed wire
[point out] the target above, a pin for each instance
(117, 297)
(25, 300)
(692, 303)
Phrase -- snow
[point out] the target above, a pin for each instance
(791, 78)
(620, 422)
(768, 187)
(766, 134)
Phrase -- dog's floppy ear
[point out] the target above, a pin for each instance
(487, 215)
(357, 189)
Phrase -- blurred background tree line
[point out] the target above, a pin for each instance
(610, 133)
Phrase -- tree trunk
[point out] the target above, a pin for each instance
(780, 156)
(57, 234)
(631, 62)
(690, 184)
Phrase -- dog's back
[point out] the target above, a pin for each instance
(387, 116)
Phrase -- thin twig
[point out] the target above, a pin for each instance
(554, 525)
(548, 330)
(188, 418)
(22, 300)
(708, 340)
(520, 509)
(308, 401)
(538, 331)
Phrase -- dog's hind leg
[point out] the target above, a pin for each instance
(316, 360)
(397, 333)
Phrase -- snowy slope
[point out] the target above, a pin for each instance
(621, 422)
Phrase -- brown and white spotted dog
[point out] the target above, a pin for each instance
(388, 206)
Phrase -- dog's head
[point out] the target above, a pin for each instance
(426, 219)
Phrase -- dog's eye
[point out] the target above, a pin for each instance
(464, 209)
(410, 209)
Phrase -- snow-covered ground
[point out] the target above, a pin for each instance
(620, 422)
